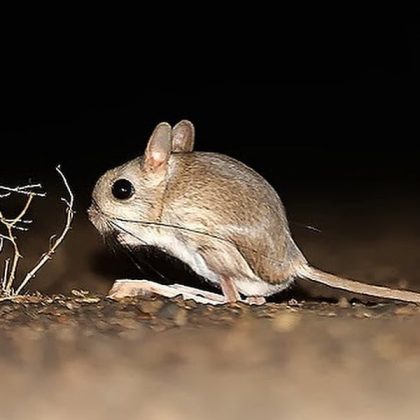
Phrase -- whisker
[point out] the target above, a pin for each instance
(167, 225)
(117, 227)
(309, 227)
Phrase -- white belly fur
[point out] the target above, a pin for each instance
(252, 286)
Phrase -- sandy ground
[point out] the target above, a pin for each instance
(88, 357)
(83, 356)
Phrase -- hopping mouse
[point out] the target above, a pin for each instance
(215, 214)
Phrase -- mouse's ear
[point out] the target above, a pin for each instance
(158, 148)
(183, 135)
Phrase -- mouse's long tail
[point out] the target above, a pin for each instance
(353, 286)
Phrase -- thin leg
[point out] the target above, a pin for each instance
(229, 289)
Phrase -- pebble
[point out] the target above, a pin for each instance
(88, 300)
(343, 303)
(181, 317)
(293, 302)
(80, 293)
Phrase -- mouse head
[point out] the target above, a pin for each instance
(134, 191)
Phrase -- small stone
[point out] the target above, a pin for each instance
(363, 314)
(293, 302)
(88, 300)
(181, 317)
(343, 303)
(79, 293)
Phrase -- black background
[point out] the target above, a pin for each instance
(323, 106)
(331, 106)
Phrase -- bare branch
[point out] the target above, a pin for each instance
(10, 225)
(55, 241)
(20, 223)
(29, 187)
(5, 273)
(51, 241)
(24, 221)
(25, 190)
(2, 239)
(21, 228)
(13, 222)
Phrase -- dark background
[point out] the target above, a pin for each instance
(327, 111)
(329, 105)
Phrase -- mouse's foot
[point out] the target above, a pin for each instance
(220, 299)
(255, 300)
(126, 288)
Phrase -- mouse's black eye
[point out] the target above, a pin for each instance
(122, 189)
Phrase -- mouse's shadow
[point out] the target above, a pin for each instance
(153, 264)
(148, 263)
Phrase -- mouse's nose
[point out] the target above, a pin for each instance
(97, 218)
(91, 211)
(94, 214)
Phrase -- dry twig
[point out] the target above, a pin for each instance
(11, 264)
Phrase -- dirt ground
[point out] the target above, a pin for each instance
(311, 353)
(88, 357)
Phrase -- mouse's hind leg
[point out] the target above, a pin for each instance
(229, 289)
(231, 293)
(224, 264)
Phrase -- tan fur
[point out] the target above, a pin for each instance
(223, 197)
(214, 213)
